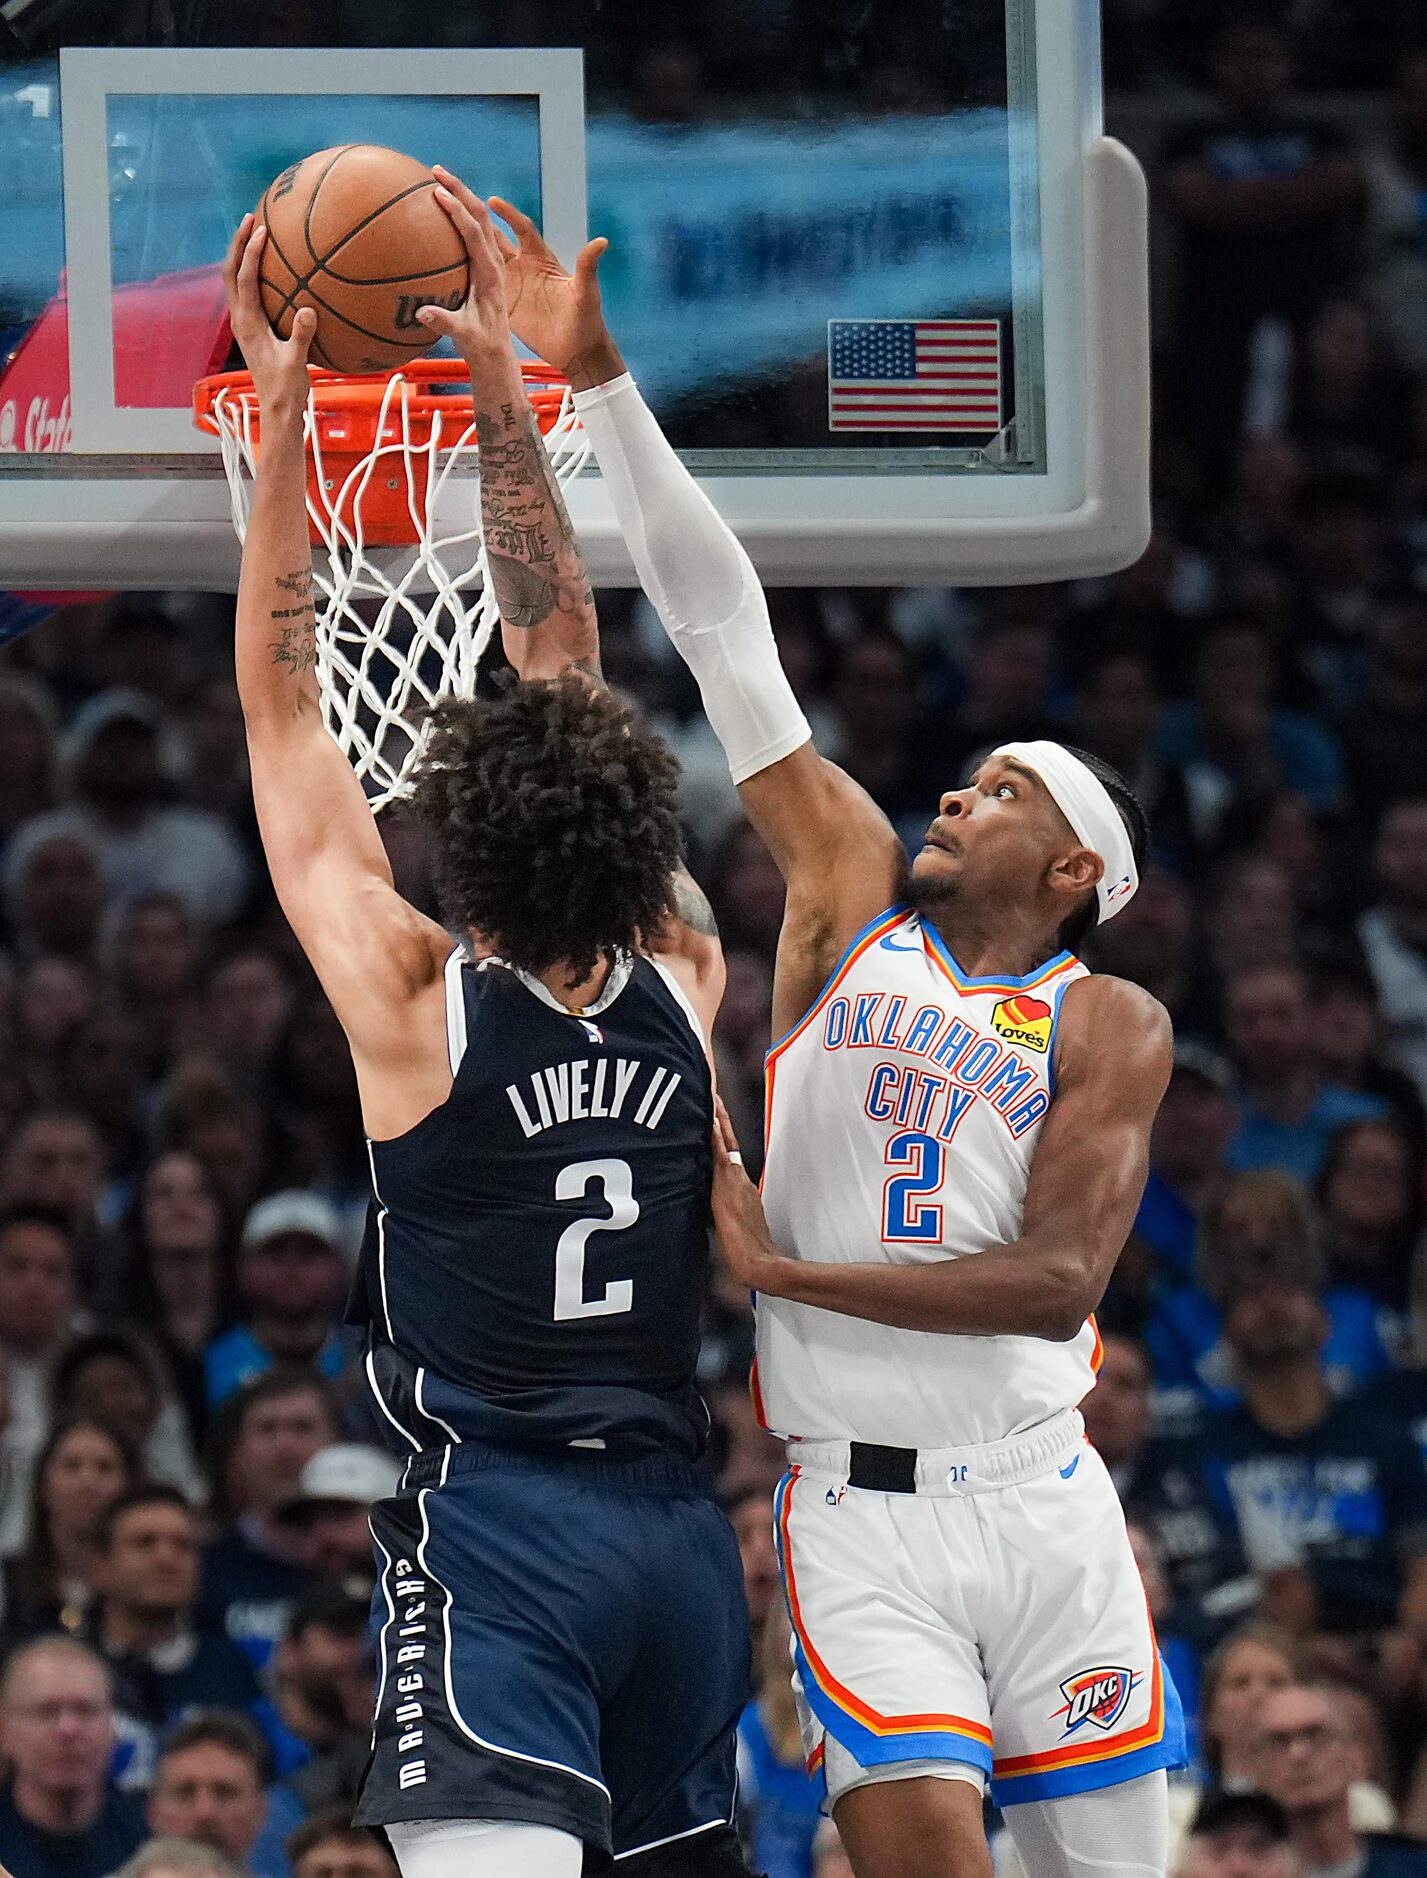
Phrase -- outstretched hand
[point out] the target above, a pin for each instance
(278, 366)
(479, 324)
(748, 1252)
(558, 315)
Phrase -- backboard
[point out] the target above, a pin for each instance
(877, 269)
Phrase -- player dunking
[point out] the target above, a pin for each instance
(562, 1632)
(958, 1130)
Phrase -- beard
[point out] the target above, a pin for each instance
(926, 893)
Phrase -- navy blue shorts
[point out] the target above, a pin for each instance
(560, 1640)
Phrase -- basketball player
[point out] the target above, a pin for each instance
(562, 1632)
(950, 1081)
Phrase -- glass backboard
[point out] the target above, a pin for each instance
(877, 270)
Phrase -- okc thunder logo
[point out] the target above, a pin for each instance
(1096, 1697)
(592, 1031)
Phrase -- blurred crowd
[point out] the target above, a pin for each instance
(186, 1453)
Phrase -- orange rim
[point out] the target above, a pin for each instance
(360, 398)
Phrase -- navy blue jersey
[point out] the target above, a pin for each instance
(534, 1262)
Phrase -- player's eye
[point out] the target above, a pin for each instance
(1006, 789)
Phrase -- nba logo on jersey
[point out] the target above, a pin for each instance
(1024, 1020)
(592, 1031)
(1096, 1696)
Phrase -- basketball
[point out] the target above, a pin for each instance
(356, 233)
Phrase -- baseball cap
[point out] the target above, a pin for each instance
(293, 1211)
(1224, 1810)
(1197, 1059)
(347, 1474)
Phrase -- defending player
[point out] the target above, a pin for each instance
(950, 1081)
(563, 1637)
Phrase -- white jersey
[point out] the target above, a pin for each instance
(903, 1116)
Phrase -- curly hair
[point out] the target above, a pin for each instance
(556, 821)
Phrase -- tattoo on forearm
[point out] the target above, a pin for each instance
(298, 582)
(691, 905)
(295, 647)
(531, 552)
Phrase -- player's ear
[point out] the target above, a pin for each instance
(1074, 873)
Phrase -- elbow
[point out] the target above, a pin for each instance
(1064, 1298)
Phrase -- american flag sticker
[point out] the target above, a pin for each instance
(914, 375)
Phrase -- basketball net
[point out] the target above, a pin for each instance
(404, 607)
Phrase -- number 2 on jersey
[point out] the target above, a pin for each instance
(906, 1215)
(573, 1183)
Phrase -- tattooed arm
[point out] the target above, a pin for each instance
(372, 952)
(547, 611)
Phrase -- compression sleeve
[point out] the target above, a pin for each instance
(699, 579)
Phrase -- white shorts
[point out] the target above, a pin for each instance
(995, 1617)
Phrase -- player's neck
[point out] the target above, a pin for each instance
(575, 997)
(996, 944)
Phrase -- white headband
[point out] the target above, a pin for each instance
(1090, 809)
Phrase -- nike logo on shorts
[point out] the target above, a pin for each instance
(1066, 1472)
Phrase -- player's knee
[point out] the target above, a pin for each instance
(920, 1828)
(710, 1855)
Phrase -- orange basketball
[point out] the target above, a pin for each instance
(357, 234)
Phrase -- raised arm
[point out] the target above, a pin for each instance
(373, 953)
(1112, 1067)
(835, 848)
(548, 621)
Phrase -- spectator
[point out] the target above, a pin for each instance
(145, 843)
(322, 1682)
(1232, 740)
(82, 1468)
(1260, 197)
(1369, 1192)
(27, 729)
(259, 1444)
(152, 950)
(1402, 1392)
(1257, 1226)
(1248, 1666)
(55, 997)
(60, 1814)
(313, 1085)
(1384, 735)
(746, 891)
(38, 1305)
(1329, 1495)
(248, 999)
(177, 1858)
(1161, 1484)
(750, 1513)
(1239, 1834)
(1393, 933)
(117, 1377)
(329, 1846)
(239, 1146)
(53, 891)
(1288, 1109)
(291, 1279)
(830, 1858)
(778, 1803)
(144, 1624)
(335, 1494)
(178, 1238)
(1349, 1044)
(1396, 219)
(209, 1786)
(1188, 1144)
(1307, 1762)
(55, 1159)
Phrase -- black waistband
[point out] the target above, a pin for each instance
(882, 1470)
(654, 1472)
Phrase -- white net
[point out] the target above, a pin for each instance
(396, 629)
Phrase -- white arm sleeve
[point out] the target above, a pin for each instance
(701, 582)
